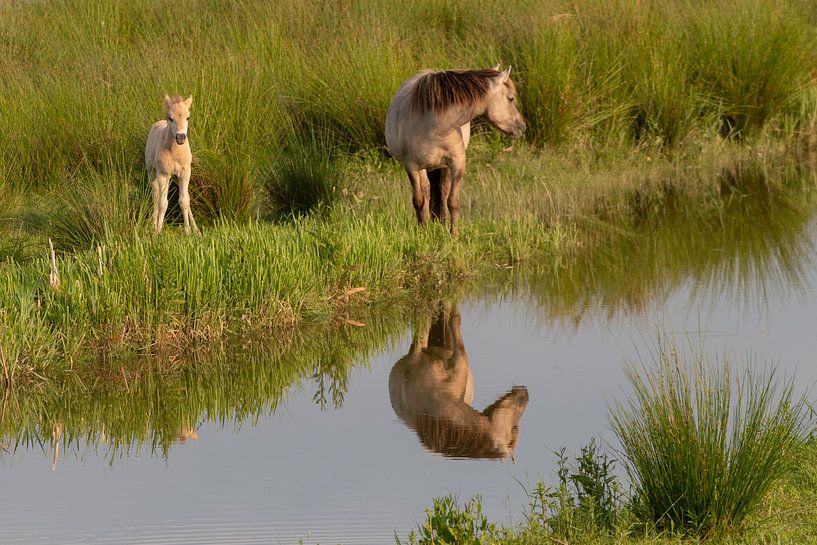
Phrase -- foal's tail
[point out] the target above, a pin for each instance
(435, 179)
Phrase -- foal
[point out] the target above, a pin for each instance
(167, 154)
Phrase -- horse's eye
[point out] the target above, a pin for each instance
(511, 99)
(170, 119)
(188, 119)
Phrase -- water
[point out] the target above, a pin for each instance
(252, 450)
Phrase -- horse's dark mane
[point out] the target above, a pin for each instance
(438, 91)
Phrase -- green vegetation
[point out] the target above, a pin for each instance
(711, 459)
(639, 114)
(704, 451)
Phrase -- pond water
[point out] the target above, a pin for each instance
(353, 442)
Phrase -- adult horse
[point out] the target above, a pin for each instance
(428, 126)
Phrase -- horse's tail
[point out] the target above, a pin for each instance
(435, 180)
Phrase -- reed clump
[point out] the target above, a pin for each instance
(703, 446)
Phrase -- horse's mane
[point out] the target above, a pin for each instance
(443, 436)
(175, 99)
(438, 91)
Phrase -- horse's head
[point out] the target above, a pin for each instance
(501, 110)
(177, 115)
(504, 415)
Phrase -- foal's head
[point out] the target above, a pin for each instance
(178, 114)
(501, 109)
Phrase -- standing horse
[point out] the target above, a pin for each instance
(167, 154)
(428, 126)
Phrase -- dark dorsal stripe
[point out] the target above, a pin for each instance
(438, 91)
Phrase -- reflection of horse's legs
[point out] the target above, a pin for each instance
(421, 191)
(454, 326)
(420, 339)
(184, 203)
(164, 184)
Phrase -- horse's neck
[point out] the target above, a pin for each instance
(465, 115)
(167, 138)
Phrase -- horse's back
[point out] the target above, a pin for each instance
(409, 131)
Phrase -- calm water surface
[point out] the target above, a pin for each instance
(354, 470)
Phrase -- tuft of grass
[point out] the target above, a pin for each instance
(97, 206)
(305, 176)
(448, 523)
(704, 447)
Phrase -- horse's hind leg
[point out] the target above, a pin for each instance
(434, 179)
(440, 186)
(184, 203)
(421, 194)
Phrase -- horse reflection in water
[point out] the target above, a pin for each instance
(431, 390)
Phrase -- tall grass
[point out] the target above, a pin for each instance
(590, 74)
(703, 446)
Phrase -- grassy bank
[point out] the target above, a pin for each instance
(142, 294)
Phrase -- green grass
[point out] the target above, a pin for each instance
(656, 74)
(290, 180)
(703, 447)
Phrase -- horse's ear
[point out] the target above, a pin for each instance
(168, 102)
(189, 101)
(503, 77)
(497, 66)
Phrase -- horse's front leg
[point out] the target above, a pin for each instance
(421, 194)
(154, 185)
(184, 203)
(456, 172)
(163, 183)
(445, 191)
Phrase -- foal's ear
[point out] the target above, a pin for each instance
(497, 66)
(168, 102)
(189, 101)
(503, 77)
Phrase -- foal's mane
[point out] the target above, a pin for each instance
(438, 91)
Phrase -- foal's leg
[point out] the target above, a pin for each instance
(154, 184)
(164, 183)
(184, 203)
(421, 194)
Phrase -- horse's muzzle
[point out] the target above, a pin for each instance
(519, 130)
(181, 138)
